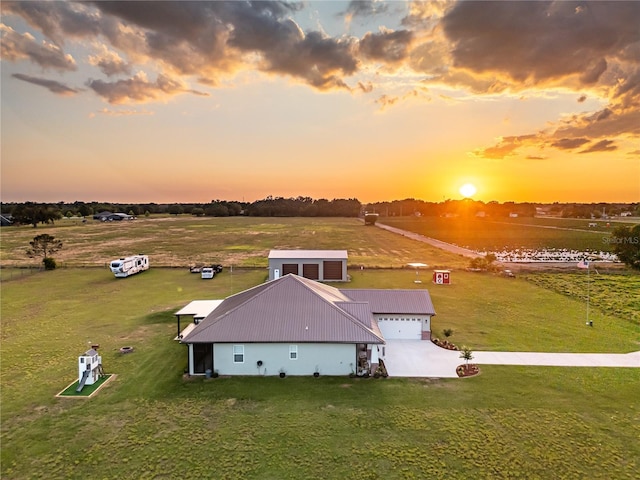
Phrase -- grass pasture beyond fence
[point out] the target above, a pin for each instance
(512, 233)
(238, 241)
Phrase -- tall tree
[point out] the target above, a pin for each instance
(44, 246)
(626, 245)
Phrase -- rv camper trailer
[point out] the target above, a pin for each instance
(123, 267)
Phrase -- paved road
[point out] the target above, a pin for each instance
(421, 358)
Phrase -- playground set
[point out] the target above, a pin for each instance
(89, 368)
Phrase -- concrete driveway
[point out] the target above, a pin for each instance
(421, 358)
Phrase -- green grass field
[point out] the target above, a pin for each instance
(151, 423)
(511, 233)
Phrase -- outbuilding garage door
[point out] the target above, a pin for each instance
(401, 328)
(332, 270)
(311, 271)
(289, 268)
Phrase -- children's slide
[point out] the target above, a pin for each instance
(85, 375)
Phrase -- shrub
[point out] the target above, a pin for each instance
(49, 263)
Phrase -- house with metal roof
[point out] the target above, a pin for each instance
(296, 326)
(320, 265)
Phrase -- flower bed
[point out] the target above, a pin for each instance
(445, 344)
(467, 370)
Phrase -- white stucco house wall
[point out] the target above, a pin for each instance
(296, 326)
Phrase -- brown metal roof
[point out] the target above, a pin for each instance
(414, 302)
(289, 309)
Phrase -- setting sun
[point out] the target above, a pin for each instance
(468, 190)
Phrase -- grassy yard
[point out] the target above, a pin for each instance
(150, 422)
(488, 312)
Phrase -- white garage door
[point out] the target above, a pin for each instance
(401, 328)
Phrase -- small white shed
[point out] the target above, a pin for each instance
(319, 265)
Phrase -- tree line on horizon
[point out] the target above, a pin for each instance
(33, 213)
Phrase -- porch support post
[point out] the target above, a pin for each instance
(190, 345)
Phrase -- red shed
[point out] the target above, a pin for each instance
(442, 277)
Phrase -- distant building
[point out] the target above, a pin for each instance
(6, 220)
(112, 217)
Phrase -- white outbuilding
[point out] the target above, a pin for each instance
(319, 265)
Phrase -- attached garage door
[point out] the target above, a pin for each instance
(311, 271)
(289, 268)
(332, 270)
(401, 328)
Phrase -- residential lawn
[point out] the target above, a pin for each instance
(150, 422)
(511, 233)
(488, 312)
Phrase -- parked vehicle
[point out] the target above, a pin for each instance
(207, 272)
(124, 267)
(210, 271)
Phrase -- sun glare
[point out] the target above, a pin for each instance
(468, 190)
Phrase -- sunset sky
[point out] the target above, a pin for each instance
(195, 101)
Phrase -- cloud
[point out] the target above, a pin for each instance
(138, 89)
(205, 40)
(212, 38)
(425, 16)
(57, 20)
(535, 157)
(109, 62)
(366, 87)
(362, 8)
(51, 85)
(535, 42)
(601, 146)
(387, 101)
(15, 46)
(483, 47)
(505, 147)
(386, 46)
(569, 143)
(120, 113)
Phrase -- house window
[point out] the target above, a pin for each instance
(238, 354)
(293, 352)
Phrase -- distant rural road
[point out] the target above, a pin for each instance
(431, 241)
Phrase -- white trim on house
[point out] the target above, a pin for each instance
(238, 353)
